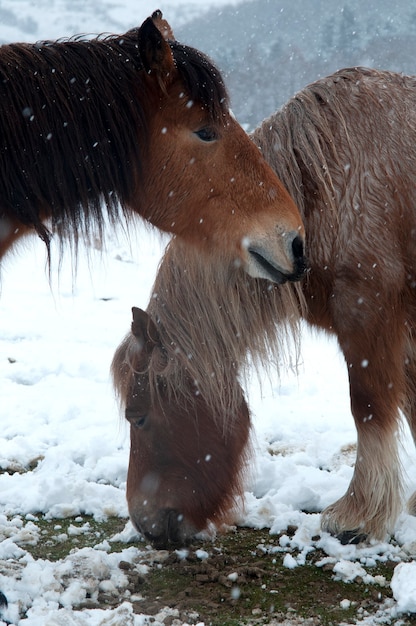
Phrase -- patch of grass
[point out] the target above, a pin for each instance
(59, 536)
(241, 584)
(237, 580)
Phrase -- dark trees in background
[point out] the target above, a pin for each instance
(269, 49)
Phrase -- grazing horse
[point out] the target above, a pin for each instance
(136, 123)
(344, 147)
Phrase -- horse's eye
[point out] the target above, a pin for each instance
(140, 421)
(136, 419)
(206, 134)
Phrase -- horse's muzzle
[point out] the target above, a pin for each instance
(269, 269)
(166, 529)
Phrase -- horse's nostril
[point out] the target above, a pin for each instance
(301, 263)
(297, 247)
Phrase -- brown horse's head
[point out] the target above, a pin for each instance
(205, 180)
(185, 469)
(138, 122)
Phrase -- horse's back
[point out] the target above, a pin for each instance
(345, 148)
(373, 219)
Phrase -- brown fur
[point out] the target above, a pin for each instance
(344, 148)
(132, 123)
(350, 139)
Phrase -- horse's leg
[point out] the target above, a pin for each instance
(374, 353)
(409, 403)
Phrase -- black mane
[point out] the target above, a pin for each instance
(201, 78)
(72, 126)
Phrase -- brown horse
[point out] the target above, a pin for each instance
(344, 147)
(136, 123)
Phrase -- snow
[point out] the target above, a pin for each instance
(59, 415)
(403, 585)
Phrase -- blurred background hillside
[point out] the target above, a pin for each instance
(270, 49)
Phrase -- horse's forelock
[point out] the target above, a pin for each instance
(201, 78)
(122, 370)
(129, 360)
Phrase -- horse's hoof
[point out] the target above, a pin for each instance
(351, 537)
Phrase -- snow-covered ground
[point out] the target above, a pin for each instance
(58, 412)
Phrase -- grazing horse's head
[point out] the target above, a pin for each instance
(185, 469)
(206, 181)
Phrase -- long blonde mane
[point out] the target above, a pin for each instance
(210, 318)
(215, 319)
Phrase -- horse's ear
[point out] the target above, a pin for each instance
(163, 26)
(155, 51)
(144, 329)
(148, 339)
